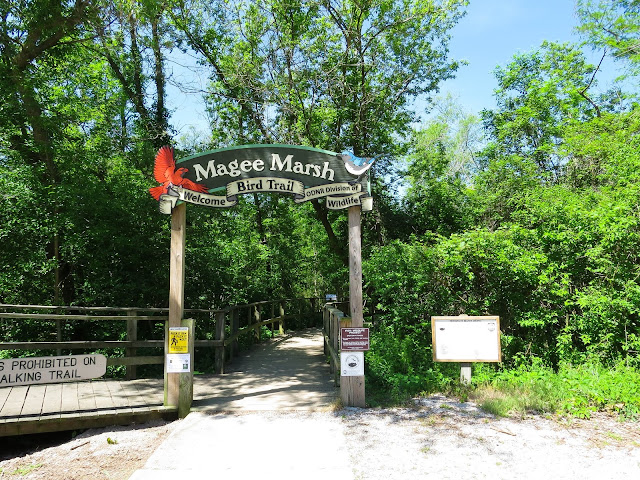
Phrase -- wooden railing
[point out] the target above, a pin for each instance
(220, 329)
(333, 319)
(233, 322)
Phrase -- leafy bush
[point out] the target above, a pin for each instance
(576, 390)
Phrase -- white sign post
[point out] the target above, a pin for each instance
(35, 370)
(466, 339)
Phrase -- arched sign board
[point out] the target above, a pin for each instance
(217, 177)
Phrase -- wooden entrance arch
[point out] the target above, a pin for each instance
(306, 173)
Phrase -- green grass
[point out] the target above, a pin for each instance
(573, 390)
(577, 391)
(26, 470)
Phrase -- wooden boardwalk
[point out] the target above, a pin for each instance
(287, 373)
(73, 406)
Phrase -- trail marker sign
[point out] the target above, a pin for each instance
(178, 363)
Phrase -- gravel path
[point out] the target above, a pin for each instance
(438, 438)
(443, 439)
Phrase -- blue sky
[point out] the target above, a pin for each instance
(490, 34)
(493, 31)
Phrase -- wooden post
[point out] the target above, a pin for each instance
(58, 335)
(185, 396)
(256, 318)
(336, 320)
(219, 360)
(235, 326)
(352, 388)
(176, 295)
(314, 311)
(273, 315)
(325, 325)
(281, 324)
(465, 373)
(132, 336)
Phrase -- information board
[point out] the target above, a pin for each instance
(466, 339)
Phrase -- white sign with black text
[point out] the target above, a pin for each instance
(36, 370)
(178, 363)
(351, 364)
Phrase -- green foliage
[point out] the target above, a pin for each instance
(440, 164)
(576, 390)
(612, 26)
(538, 94)
(400, 367)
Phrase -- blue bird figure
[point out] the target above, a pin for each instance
(356, 165)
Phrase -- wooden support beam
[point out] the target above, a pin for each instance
(256, 319)
(220, 332)
(185, 396)
(281, 324)
(176, 293)
(352, 388)
(465, 373)
(132, 335)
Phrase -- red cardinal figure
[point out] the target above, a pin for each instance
(165, 172)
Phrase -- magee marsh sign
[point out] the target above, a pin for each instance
(217, 177)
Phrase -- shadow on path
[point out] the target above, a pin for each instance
(286, 373)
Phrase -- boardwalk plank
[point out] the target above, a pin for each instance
(52, 400)
(13, 405)
(33, 403)
(134, 397)
(118, 395)
(150, 391)
(70, 404)
(86, 397)
(4, 394)
(102, 395)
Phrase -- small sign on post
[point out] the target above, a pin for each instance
(351, 364)
(354, 339)
(178, 339)
(178, 363)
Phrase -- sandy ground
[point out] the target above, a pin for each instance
(437, 438)
(107, 453)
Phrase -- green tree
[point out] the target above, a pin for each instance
(440, 168)
(334, 74)
(35, 38)
(538, 94)
(612, 26)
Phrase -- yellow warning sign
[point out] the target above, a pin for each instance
(178, 340)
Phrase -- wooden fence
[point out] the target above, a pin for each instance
(332, 320)
(220, 330)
